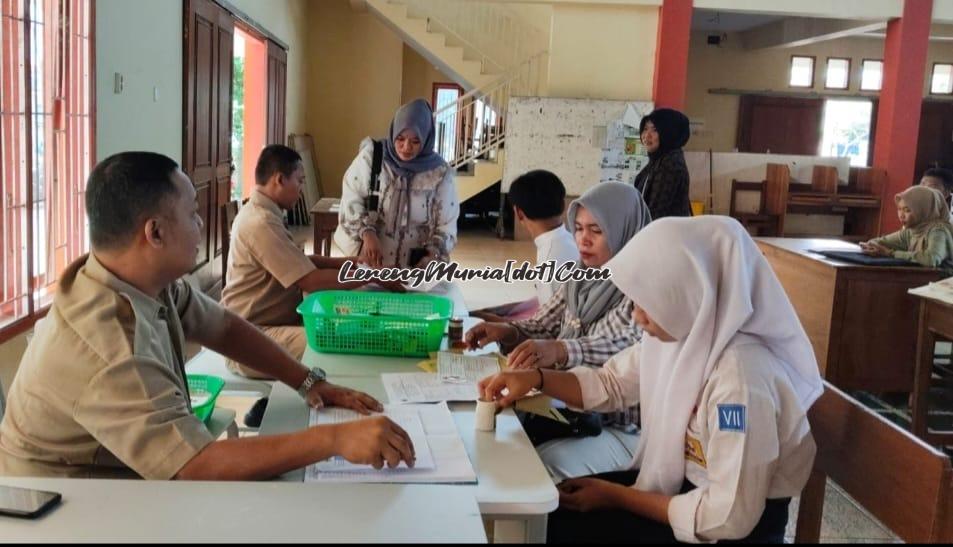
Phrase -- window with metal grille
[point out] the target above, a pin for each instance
(46, 149)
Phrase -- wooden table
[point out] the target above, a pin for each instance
(324, 217)
(860, 319)
(936, 323)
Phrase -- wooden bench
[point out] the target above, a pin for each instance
(899, 479)
(762, 221)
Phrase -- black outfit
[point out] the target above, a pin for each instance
(618, 526)
(664, 181)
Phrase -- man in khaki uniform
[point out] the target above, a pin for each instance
(101, 390)
(267, 273)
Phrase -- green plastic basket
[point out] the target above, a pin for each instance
(375, 323)
(204, 391)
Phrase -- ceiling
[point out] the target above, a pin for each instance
(724, 21)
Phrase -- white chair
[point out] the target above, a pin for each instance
(221, 421)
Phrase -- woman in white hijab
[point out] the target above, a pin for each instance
(725, 379)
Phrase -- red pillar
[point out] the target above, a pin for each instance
(898, 117)
(671, 54)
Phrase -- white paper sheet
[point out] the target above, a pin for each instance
(425, 387)
(465, 369)
(452, 464)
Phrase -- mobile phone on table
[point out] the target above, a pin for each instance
(416, 255)
(26, 503)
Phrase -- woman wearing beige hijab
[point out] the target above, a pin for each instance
(725, 376)
(926, 237)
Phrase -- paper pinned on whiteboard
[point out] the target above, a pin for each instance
(631, 117)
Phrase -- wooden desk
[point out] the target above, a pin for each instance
(324, 217)
(860, 319)
(936, 323)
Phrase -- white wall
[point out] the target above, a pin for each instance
(602, 52)
(142, 40)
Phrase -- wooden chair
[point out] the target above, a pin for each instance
(899, 479)
(229, 212)
(763, 223)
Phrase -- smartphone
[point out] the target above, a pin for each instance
(416, 255)
(26, 503)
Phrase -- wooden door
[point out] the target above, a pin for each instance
(935, 142)
(208, 47)
(277, 79)
(780, 125)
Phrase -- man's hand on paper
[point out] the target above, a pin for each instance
(376, 441)
(334, 395)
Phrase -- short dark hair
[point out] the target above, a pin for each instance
(945, 175)
(539, 194)
(122, 191)
(273, 159)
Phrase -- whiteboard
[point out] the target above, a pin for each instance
(565, 136)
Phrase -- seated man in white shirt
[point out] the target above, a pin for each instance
(539, 201)
(941, 180)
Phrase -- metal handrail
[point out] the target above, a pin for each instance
(477, 119)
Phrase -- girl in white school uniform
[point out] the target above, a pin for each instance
(725, 377)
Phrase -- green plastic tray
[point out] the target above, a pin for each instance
(375, 323)
(204, 390)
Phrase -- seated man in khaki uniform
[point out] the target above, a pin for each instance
(101, 389)
(267, 273)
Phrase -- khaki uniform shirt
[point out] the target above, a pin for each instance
(101, 389)
(263, 266)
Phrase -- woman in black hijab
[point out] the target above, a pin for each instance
(664, 181)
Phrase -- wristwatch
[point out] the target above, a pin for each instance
(314, 376)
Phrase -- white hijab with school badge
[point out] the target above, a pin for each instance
(707, 283)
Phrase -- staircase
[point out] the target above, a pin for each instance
(488, 51)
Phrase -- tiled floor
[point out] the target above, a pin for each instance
(843, 522)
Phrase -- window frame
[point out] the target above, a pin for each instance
(827, 70)
(933, 75)
(813, 59)
(62, 81)
(862, 63)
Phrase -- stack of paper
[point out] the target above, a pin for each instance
(406, 417)
(435, 436)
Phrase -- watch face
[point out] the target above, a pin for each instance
(319, 372)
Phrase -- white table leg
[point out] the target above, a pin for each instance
(530, 530)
